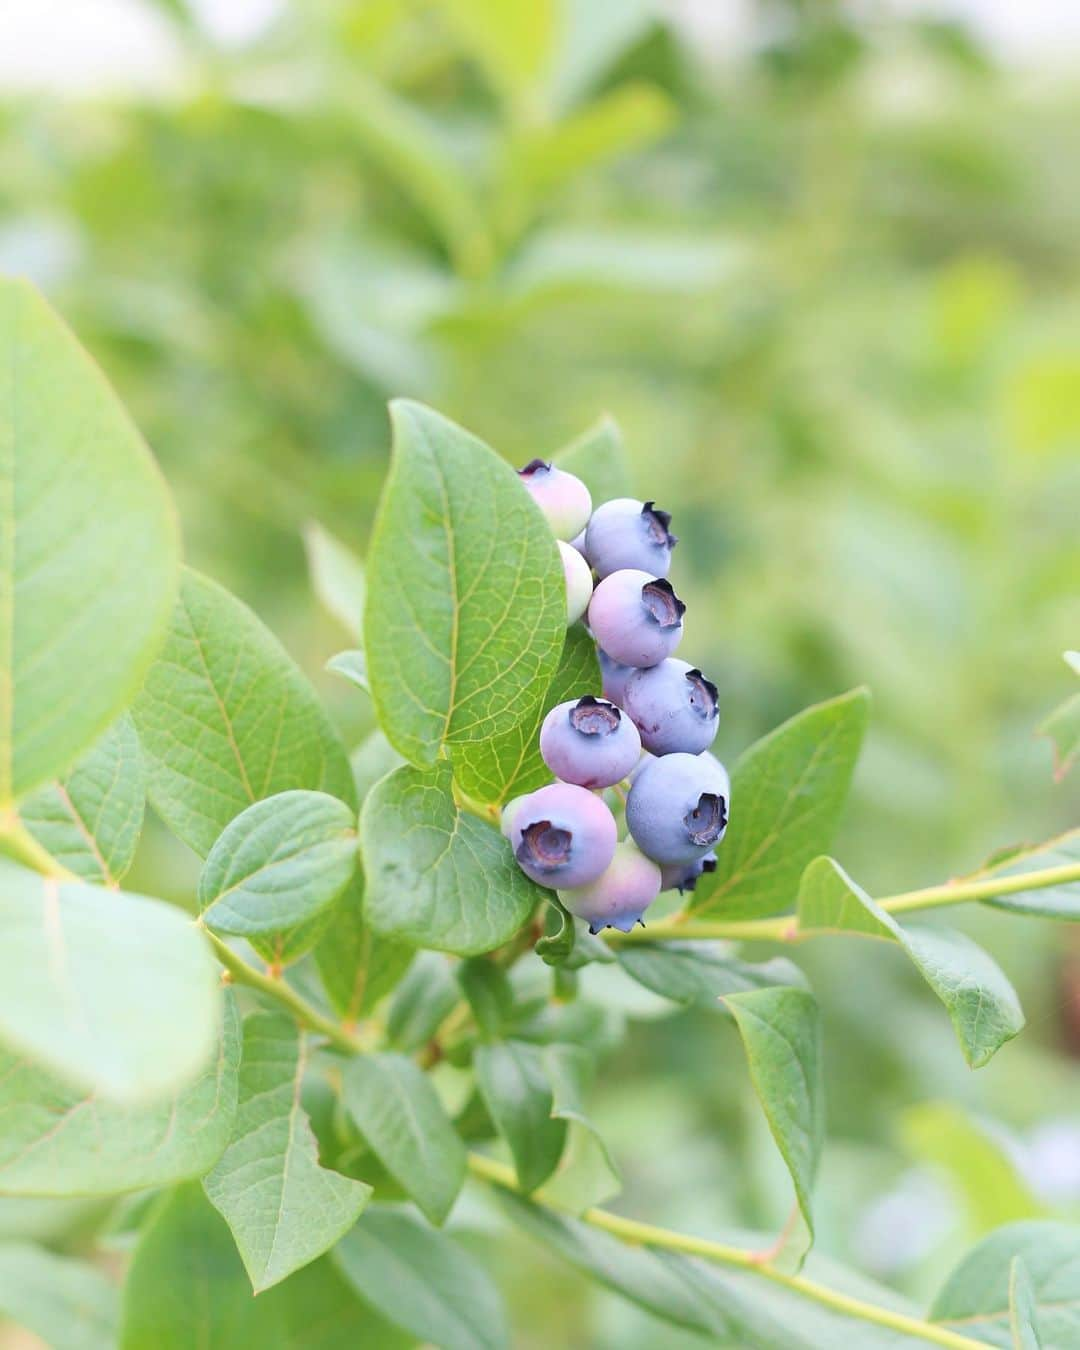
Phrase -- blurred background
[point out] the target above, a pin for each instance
(822, 264)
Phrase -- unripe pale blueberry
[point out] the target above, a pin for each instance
(563, 498)
(589, 742)
(619, 897)
(677, 809)
(615, 675)
(509, 814)
(636, 618)
(684, 876)
(625, 533)
(674, 707)
(578, 582)
(563, 836)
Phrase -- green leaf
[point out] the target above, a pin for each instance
(1023, 1319)
(1047, 902)
(373, 759)
(351, 666)
(977, 1298)
(587, 1174)
(513, 44)
(88, 548)
(117, 992)
(787, 792)
(421, 1280)
(226, 718)
(978, 998)
(421, 1001)
(284, 1210)
(317, 1309)
(466, 606)
(490, 994)
(59, 1140)
(358, 967)
(69, 1304)
(598, 457)
(398, 1112)
(781, 1032)
(557, 944)
(278, 864)
(91, 819)
(436, 876)
(700, 975)
(337, 577)
(505, 766)
(1062, 727)
(515, 1088)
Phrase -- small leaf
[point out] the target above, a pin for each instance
(284, 1210)
(91, 819)
(337, 577)
(351, 666)
(1023, 1319)
(587, 1174)
(399, 1113)
(513, 44)
(700, 975)
(59, 1140)
(89, 548)
(278, 864)
(516, 1092)
(421, 1280)
(437, 877)
(466, 605)
(781, 1032)
(69, 1304)
(1046, 902)
(358, 968)
(557, 943)
(490, 994)
(117, 992)
(598, 457)
(226, 718)
(421, 1002)
(787, 793)
(1062, 728)
(978, 998)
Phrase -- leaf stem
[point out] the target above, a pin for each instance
(19, 844)
(649, 1235)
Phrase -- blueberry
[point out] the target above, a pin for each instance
(674, 707)
(578, 582)
(615, 675)
(563, 836)
(509, 814)
(636, 618)
(578, 542)
(678, 807)
(589, 742)
(684, 876)
(625, 533)
(563, 498)
(619, 897)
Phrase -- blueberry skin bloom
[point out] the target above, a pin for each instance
(614, 675)
(589, 742)
(563, 836)
(578, 582)
(619, 897)
(636, 618)
(674, 707)
(625, 533)
(683, 877)
(677, 810)
(563, 498)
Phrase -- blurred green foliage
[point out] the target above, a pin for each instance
(826, 284)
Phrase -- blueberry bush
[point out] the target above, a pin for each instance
(380, 1016)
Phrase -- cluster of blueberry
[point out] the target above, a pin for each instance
(652, 728)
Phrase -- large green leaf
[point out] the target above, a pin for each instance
(283, 1208)
(978, 998)
(436, 876)
(88, 548)
(781, 1032)
(699, 974)
(975, 1299)
(90, 820)
(337, 577)
(787, 793)
(59, 1140)
(117, 992)
(226, 718)
(466, 604)
(398, 1112)
(517, 1093)
(505, 766)
(278, 864)
(598, 457)
(421, 1280)
(358, 967)
(69, 1304)
(1046, 902)
(1023, 1313)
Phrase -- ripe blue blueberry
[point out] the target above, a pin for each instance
(563, 836)
(674, 707)
(614, 675)
(578, 582)
(563, 498)
(683, 877)
(621, 895)
(636, 618)
(677, 809)
(589, 742)
(625, 533)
